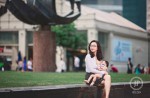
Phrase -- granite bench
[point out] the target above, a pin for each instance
(118, 90)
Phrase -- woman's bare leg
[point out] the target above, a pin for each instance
(107, 85)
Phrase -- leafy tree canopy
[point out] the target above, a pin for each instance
(68, 36)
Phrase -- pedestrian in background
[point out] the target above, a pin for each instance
(137, 69)
(29, 65)
(129, 66)
(24, 64)
(76, 63)
(61, 67)
(19, 65)
(113, 69)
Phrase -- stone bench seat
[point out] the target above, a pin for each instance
(118, 90)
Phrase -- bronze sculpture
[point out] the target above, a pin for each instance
(41, 12)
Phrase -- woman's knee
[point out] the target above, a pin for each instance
(107, 77)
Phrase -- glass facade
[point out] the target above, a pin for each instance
(29, 37)
(89, 1)
(102, 2)
(8, 38)
(135, 11)
(103, 37)
(105, 5)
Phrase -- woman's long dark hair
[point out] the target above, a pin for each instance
(99, 54)
(107, 63)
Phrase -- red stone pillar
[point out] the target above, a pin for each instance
(44, 49)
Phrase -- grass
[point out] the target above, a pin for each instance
(23, 79)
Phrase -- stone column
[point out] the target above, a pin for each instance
(92, 35)
(22, 42)
(109, 49)
(14, 58)
(44, 50)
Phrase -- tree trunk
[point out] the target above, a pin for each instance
(44, 49)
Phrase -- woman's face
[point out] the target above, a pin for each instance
(93, 47)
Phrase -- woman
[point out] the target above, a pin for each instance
(92, 59)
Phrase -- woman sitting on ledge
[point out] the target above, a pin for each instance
(93, 58)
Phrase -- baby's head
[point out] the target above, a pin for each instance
(103, 65)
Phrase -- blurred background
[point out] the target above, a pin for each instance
(121, 26)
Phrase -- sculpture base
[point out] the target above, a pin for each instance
(44, 49)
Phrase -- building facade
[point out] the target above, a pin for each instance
(14, 37)
(119, 37)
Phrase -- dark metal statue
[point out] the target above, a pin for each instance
(41, 12)
(3, 8)
(78, 3)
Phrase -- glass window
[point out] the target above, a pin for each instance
(8, 38)
(29, 37)
(103, 37)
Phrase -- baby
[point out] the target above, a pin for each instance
(103, 66)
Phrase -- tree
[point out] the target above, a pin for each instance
(68, 36)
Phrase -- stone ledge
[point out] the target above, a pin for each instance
(118, 90)
(52, 87)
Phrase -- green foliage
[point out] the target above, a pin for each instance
(80, 40)
(67, 36)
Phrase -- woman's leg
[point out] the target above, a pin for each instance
(107, 85)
